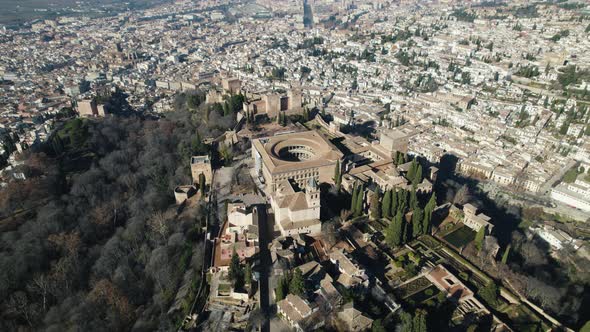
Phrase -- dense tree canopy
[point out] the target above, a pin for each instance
(96, 242)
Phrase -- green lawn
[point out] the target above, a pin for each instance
(460, 237)
(224, 289)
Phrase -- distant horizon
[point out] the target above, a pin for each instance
(24, 11)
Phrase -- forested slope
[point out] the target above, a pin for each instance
(94, 242)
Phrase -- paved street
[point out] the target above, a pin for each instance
(265, 236)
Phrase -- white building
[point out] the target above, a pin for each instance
(297, 212)
(351, 274)
(238, 217)
(556, 238)
(475, 220)
(295, 310)
(575, 194)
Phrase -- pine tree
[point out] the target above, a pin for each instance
(386, 205)
(417, 216)
(479, 237)
(297, 284)
(375, 205)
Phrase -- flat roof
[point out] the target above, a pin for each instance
(200, 159)
(324, 152)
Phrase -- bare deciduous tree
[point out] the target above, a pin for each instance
(19, 305)
(41, 286)
(462, 196)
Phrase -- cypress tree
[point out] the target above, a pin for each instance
(358, 207)
(481, 234)
(375, 205)
(353, 199)
(413, 199)
(393, 209)
(386, 205)
(235, 269)
(226, 109)
(337, 176)
(406, 322)
(412, 170)
(402, 204)
(428, 209)
(248, 274)
(418, 176)
(506, 254)
(202, 184)
(395, 231)
(400, 158)
(417, 216)
(406, 228)
(281, 289)
(426, 219)
(419, 321)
